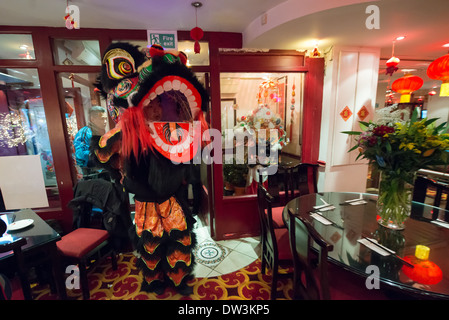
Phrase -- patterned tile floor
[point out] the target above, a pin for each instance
(214, 258)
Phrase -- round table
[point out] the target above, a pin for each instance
(353, 222)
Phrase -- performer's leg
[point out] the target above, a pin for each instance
(180, 242)
(148, 243)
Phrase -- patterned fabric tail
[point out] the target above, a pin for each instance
(164, 241)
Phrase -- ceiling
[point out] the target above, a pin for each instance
(274, 24)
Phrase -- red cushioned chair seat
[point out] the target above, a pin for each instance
(81, 241)
(283, 243)
(276, 213)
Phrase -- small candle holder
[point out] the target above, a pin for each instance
(422, 252)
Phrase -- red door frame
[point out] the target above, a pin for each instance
(236, 217)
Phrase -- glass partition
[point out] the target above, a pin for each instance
(23, 125)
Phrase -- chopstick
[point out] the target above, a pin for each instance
(389, 251)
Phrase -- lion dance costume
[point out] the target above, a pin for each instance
(157, 104)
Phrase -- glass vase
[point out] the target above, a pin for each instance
(395, 199)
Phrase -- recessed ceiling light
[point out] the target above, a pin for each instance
(23, 47)
(400, 38)
(446, 45)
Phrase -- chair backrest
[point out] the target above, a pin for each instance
(268, 238)
(300, 180)
(16, 247)
(423, 185)
(302, 237)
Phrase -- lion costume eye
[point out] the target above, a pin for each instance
(119, 63)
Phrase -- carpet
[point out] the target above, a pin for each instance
(124, 284)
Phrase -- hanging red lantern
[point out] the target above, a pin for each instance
(196, 34)
(406, 85)
(439, 70)
(392, 65)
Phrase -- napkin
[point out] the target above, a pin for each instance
(321, 219)
(356, 203)
(443, 224)
(377, 248)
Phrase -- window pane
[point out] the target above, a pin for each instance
(80, 98)
(76, 52)
(23, 126)
(16, 46)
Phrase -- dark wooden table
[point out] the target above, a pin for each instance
(40, 248)
(351, 223)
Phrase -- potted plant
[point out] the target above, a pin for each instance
(236, 175)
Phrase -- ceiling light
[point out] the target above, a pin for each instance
(400, 38)
(23, 47)
(446, 45)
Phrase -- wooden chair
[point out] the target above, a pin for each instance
(300, 180)
(314, 278)
(305, 283)
(275, 242)
(80, 245)
(424, 184)
(16, 247)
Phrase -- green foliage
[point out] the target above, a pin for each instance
(403, 147)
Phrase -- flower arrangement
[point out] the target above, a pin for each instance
(398, 149)
(263, 118)
(403, 146)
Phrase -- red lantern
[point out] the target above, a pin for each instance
(439, 70)
(406, 85)
(424, 271)
(196, 34)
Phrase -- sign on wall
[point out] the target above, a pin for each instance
(167, 39)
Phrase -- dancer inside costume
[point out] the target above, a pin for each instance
(157, 103)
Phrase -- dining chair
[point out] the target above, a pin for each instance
(275, 241)
(80, 245)
(300, 180)
(16, 247)
(316, 279)
(277, 206)
(424, 186)
(307, 284)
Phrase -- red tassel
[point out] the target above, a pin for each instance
(136, 138)
(197, 47)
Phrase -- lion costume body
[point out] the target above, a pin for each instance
(157, 104)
